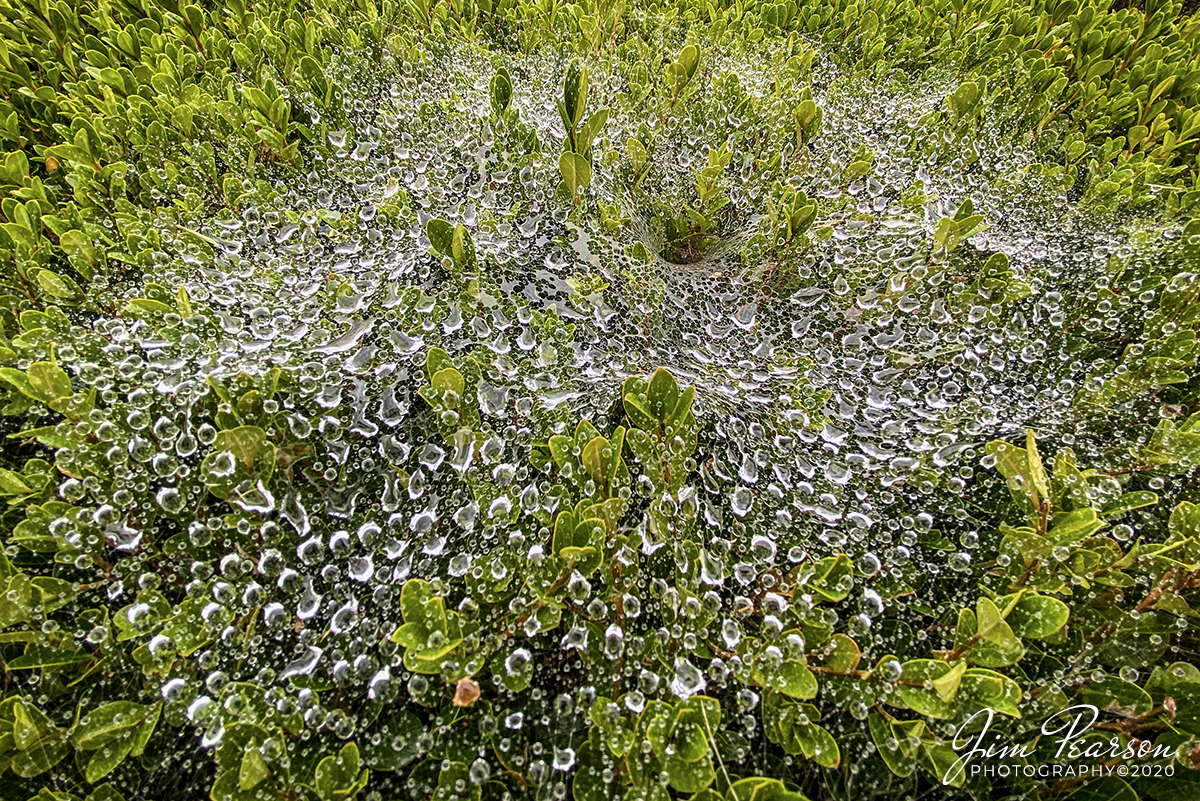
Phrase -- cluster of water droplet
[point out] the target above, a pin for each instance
(845, 415)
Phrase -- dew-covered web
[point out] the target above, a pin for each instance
(843, 398)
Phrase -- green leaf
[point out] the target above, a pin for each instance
(12, 483)
(244, 442)
(40, 756)
(40, 657)
(795, 680)
(561, 447)
(583, 142)
(675, 77)
(1013, 464)
(441, 236)
(915, 696)
(989, 689)
(946, 685)
(226, 788)
(150, 305)
(564, 531)
(106, 759)
(49, 381)
(462, 248)
(1075, 526)
(397, 745)
(415, 596)
(29, 724)
(575, 89)
(594, 460)
(337, 774)
(759, 788)
(1037, 472)
(1037, 616)
(437, 360)
(637, 155)
(856, 170)
(588, 783)
(447, 381)
(16, 601)
(895, 742)
(662, 395)
(56, 285)
(689, 777)
(844, 654)
(253, 770)
(1128, 502)
(105, 792)
(106, 722)
(833, 578)
(689, 59)
(678, 416)
(575, 170)
(817, 744)
(1113, 694)
(639, 415)
(141, 736)
(500, 90)
(691, 743)
(1002, 649)
(20, 380)
(941, 760)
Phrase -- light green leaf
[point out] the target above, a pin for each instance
(1128, 502)
(1075, 526)
(575, 170)
(107, 722)
(106, 759)
(795, 680)
(946, 686)
(441, 235)
(13, 483)
(1037, 616)
(253, 770)
(500, 90)
(49, 381)
(56, 285)
(833, 578)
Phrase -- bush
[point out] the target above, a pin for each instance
(498, 400)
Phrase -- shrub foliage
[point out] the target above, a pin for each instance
(545, 572)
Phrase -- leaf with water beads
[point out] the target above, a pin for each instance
(1129, 501)
(761, 789)
(912, 694)
(583, 141)
(575, 90)
(500, 92)
(662, 394)
(462, 247)
(833, 578)
(441, 236)
(985, 637)
(898, 742)
(49, 381)
(1074, 526)
(339, 776)
(991, 690)
(794, 679)
(397, 742)
(1037, 616)
(576, 172)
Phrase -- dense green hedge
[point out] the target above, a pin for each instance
(639, 582)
